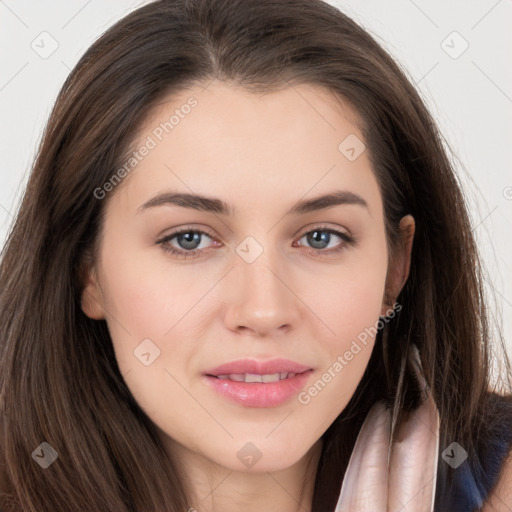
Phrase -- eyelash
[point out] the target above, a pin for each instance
(347, 240)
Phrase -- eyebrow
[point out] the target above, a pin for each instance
(214, 205)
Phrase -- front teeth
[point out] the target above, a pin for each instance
(251, 377)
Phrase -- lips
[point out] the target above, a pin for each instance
(258, 394)
(253, 367)
(258, 384)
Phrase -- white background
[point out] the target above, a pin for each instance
(470, 96)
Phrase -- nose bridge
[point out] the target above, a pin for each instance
(260, 267)
(263, 298)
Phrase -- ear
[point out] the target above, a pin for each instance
(92, 301)
(399, 265)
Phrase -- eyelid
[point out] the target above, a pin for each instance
(324, 227)
(186, 229)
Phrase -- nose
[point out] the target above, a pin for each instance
(262, 301)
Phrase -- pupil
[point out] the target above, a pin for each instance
(188, 239)
(317, 236)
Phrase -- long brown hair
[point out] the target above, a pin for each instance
(59, 380)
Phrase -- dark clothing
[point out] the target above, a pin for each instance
(475, 478)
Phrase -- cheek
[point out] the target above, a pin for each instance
(359, 304)
(147, 295)
(350, 306)
(351, 313)
(349, 300)
(142, 301)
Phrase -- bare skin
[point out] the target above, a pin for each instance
(298, 299)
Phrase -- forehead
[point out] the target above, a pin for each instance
(222, 139)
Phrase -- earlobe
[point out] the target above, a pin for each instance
(398, 271)
(407, 229)
(92, 298)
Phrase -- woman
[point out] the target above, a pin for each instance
(197, 159)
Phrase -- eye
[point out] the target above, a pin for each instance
(189, 241)
(321, 237)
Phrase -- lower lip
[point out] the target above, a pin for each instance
(259, 394)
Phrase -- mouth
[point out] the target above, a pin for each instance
(258, 390)
(253, 370)
(256, 377)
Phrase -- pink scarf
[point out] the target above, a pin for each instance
(389, 477)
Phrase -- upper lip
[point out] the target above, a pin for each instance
(259, 368)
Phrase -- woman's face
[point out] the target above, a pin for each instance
(267, 279)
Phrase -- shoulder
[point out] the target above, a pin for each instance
(500, 498)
